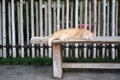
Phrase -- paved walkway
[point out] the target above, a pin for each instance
(19, 72)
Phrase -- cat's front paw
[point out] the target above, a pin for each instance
(87, 38)
(50, 42)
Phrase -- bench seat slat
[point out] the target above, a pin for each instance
(110, 39)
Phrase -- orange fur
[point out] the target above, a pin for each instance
(73, 33)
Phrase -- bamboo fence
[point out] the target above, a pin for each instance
(22, 19)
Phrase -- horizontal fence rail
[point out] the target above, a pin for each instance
(22, 19)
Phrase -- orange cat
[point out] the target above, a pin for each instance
(73, 33)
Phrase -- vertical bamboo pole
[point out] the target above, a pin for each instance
(58, 14)
(99, 20)
(67, 13)
(89, 50)
(67, 25)
(76, 25)
(104, 25)
(54, 12)
(9, 27)
(113, 27)
(85, 14)
(46, 24)
(63, 12)
(32, 26)
(81, 13)
(49, 17)
(90, 15)
(13, 28)
(46, 20)
(4, 27)
(116, 17)
(41, 24)
(36, 16)
(116, 23)
(71, 23)
(27, 24)
(85, 23)
(49, 23)
(95, 25)
(108, 10)
(81, 19)
(63, 18)
(71, 16)
(76, 14)
(21, 28)
(0, 29)
(37, 27)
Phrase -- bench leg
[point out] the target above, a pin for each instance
(57, 61)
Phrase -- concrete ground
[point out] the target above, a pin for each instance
(18, 72)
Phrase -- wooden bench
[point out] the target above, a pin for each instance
(58, 65)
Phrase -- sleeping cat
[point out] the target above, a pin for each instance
(72, 33)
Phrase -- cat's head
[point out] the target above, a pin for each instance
(88, 35)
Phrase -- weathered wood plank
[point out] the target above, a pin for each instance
(41, 40)
(57, 61)
(92, 65)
